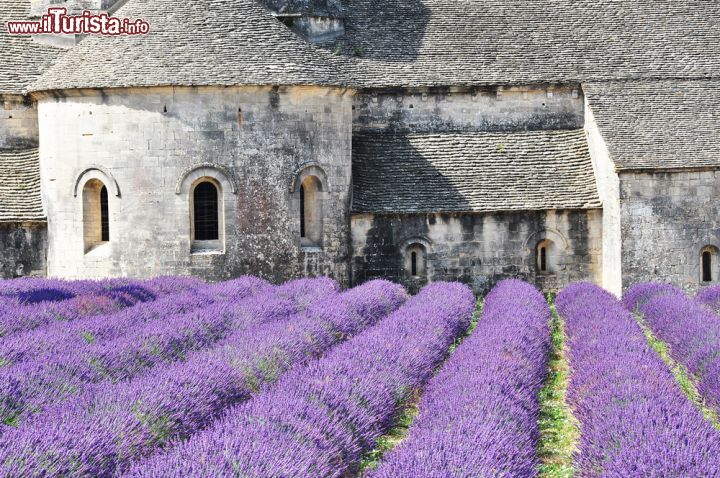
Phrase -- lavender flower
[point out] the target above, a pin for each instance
(634, 419)
(105, 428)
(478, 416)
(693, 333)
(29, 387)
(638, 294)
(319, 419)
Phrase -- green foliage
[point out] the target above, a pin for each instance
(88, 337)
(4, 362)
(559, 429)
(684, 378)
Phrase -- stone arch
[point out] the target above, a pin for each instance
(309, 169)
(547, 234)
(98, 173)
(308, 196)
(415, 252)
(190, 176)
(548, 248)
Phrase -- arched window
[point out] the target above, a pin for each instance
(206, 211)
(415, 260)
(96, 214)
(104, 215)
(545, 257)
(709, 264)
(311, 212)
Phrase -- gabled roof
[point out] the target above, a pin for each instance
(474, 42)
(195, 42)
(472, 172)
(20, 198)
(22, 60)
(659, 124)
(402, 43)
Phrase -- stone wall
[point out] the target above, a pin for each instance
(148, 146)
(608, 185)
(18, 123)
(480, 249)
(23, 248)
(667, 220)
(479, 109)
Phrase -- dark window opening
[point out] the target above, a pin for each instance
(543, 259)
(206, 217)
(104, 216)
(413, 261)
(707, 266)
(302, 211)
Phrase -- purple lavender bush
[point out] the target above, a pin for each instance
(101, 431)
(637, 295)
(693, 333)
(50, 301)
(710, 296)
(478, 416)
(634, 419)
(319, 419)
(30, 387)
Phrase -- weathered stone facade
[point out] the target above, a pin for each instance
(18, 123)
(148, 146)
(518, 108)
(668, 219)
(23, 247)
(480, 249)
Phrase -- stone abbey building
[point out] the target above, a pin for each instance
(417, 140)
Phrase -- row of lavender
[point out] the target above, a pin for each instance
(319, 419)
(690, 327)
(27, 304)
(478, 416)
(103, 426)
(634, 419)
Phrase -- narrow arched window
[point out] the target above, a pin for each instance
(96, 214)
(415, 260)
(311, 212)
(709, 264)
(302, 211)
(545, 257)
(206, 214)
(104, 215)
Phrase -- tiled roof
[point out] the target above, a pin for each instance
(473, 42)
(195, 42)
(20, 198)
(22, 60)
(472, 172)
(659, 124)
(403, 43)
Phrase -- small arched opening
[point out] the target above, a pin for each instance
(96, 214)
(709, 264)
(545, 257)
(416, 260)
(311, 212)
(206, 217)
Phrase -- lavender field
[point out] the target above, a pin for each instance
(173, 377)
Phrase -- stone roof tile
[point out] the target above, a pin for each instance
(20, 198)
(22, 60)
(472, 172)
(663, 124)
